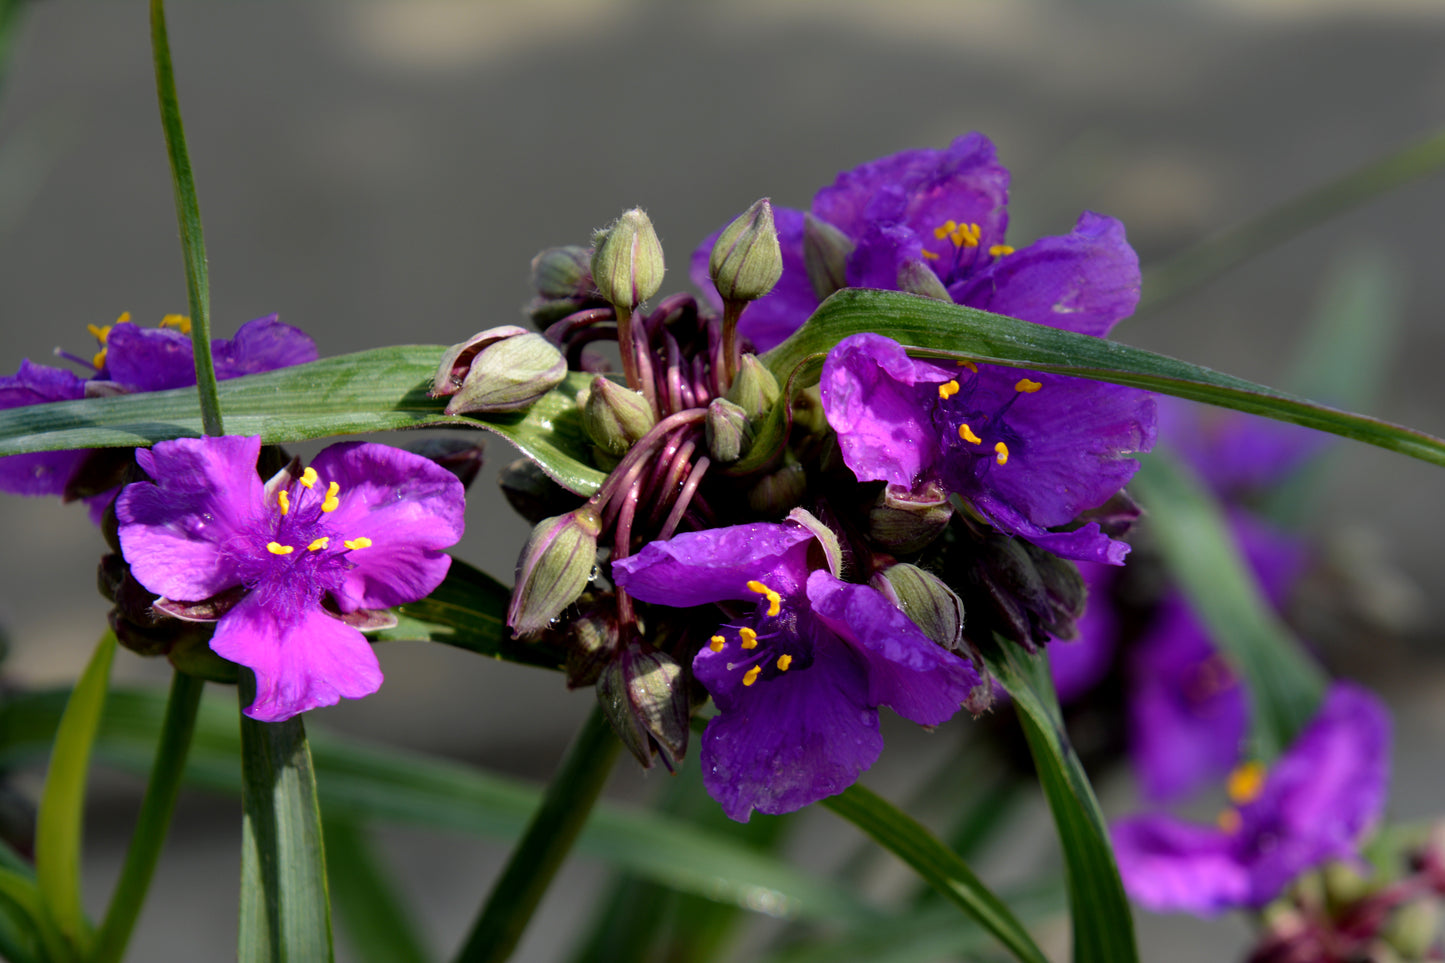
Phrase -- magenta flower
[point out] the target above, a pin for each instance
(133, 359)
(362, 528)
(1316, 804)
(797, 679)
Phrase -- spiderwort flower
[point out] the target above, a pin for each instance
(1316, 803)
(362, 528)
(799, 678)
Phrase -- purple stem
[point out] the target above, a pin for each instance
(559, 331)
(642, 449)
(684, 498)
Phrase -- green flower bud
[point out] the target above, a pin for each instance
(500, 369)
(825, 255)
(773, 496)
(563, 272)
(532, 493)
(746, 260)
(627, 263)
(728, 433)
(904, 522)
(754, 389)
(591, 645)
(644, 695)
(555, 566)
(615, 417)
(1413, 929)
(932, 605)
(915, 277)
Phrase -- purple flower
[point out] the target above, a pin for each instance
(1237, 455)
(1317, 802)
(362, 528)
(1080, 663)
(798, 679)
(133, 359)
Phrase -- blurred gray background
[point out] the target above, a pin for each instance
(382, 172)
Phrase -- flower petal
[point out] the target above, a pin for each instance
(408, 506)
(312, 661)
(149, 359)
(264, 344)
(716, 564)
(908, 672)
(768, 321)
(44, 472)
(1171, 866)
(880, 255)
(788, 741)
(1081, 663)
(1237, 455)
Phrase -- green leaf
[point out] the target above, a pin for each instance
(1284, 684)
(58, 824)
(26, 931)
(369, 391)
(1103, 925)
(901, 835)
(955, 331)
(285, 909)
(381, 928)
(374, 784)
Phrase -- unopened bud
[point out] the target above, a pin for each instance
(563, 272)
(500, 369)
(825, 255)
(933, 606)
(627, 262)
(754, 389)
(591, 645)
(773, 496)
(532, 493)
(905, 521)
(915, 277)
(555, 566)
(615, 417)
(1414, 928)
(644, 695)
(728, 433)
(746, 260)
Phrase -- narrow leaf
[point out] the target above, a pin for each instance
(26, 932)
(380, 927)
(58, 824)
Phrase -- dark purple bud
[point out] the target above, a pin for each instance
(533, 494)
(627, 265)
(501, 369)
(825, 254)
(933, 606)
(773, 496)
(591, 644)
(729, 435)
(1116, 517)
(746, 260)
(644, 694)
(615, 417)
(904, 521)
(555, 566)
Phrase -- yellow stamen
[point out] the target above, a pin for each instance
(319, 544)
(331, 502)
(276, 548)
(749, 637)
(308, 477)
(1245, 783)
(99, 360)
(178, 321)
(99, 332)
(751, 676)
(360, 541)
(716, 643)
(999, 250)
(945, 229)
(1027, 387)
(783, 662)
(948, 390)
(775, 601)
(969, 365)
(124, 318)
(966, 433)
(967, 235)
(283, 498)
(1002, 456)
(930, 255)
(1229, 821)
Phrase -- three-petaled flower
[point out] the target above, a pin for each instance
(362, 528)
(800, 669)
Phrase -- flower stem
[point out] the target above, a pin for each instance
(188, 213)
(539, 853)
(155, 817)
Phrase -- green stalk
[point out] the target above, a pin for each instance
(154, 821)
(541, 850)
(188, 214)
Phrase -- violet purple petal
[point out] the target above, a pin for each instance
(263, 344)
(1170, 866)
(149, 359)
(1081, 663)
(716, 564)
(44, 472)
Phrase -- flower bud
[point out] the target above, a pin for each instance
(532, 493)
(746, 260)
(563, 272)
(615, 417)
(591, 645)
(915, 277)
(905, 521)
(554, 567)
(933, 606)
(500, 369)
(754, 388)
(728, 433)
(773, 496)
(644, 695)
(627, 263)
(825, 255)
(1413, 930)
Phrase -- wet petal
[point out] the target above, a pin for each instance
(713, 565)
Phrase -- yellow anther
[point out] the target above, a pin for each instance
(178, 321)
(931, 255)
(331, 502)
(749, 637)
(308, 477)
(966, 433)
(945, 229)
(99, 332)
(775, 601)
(1229, 821)
(276, 548)
(716, 643)
(283, 498)
(360, 541)
(1027, 387)
(124, 318)
(947, 390)
(99, 360)
(783, 662)
(969, 365)
(1245, 783)
(319, 544)
(1002, 450)
(999, 250)
(966, 235)
(751, 676)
